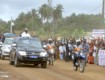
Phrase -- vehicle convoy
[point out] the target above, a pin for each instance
(29, 51)
(6, 48)
(79, 61)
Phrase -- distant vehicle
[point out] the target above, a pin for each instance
(9, 35)
(29, 51)
(6, 47)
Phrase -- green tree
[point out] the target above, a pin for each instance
(45, 13)
(57, 15)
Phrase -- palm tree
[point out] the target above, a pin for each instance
(45, 13)
(35, 19)
(57, 12)
(57, 15)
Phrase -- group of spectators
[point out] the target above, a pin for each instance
(64, 48)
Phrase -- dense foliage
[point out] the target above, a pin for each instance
(48, 21)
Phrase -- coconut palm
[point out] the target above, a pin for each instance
(45, 13)
(57, 12)
(57, 15)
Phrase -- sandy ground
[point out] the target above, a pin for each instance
(60, 71)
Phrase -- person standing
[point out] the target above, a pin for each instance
(61, 51)
(2, 38)
(25, 33)
(69, 48)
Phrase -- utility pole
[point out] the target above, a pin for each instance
(32, 21)
(51, 16)
(11, 26)
(103, 10)
(50, 3)
(103, 14)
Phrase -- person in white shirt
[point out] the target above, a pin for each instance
(25, 33)
(61, 51)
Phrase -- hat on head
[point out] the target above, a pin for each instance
(26, 29)
(49, 39)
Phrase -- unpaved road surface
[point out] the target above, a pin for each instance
(60, 71)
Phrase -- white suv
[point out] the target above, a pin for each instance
(6, 48)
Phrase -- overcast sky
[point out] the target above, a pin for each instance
(12, 8)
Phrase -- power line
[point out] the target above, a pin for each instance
(95, 8)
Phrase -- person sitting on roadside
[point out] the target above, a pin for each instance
(25, 33)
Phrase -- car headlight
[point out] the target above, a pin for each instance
(1, 43)
(43, 54)
(4, 47)
(22, 53)
(82, 55)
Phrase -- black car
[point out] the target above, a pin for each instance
(28, 50)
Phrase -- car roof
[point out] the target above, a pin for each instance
(9, 35)
(26, 38)
(9, 38)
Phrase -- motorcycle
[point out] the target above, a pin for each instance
(79, 61)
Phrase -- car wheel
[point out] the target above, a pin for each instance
(44, 65)
(35, 65)
(2, 57)
(11, 62)
(16, 63)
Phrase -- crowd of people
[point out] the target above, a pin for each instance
(64, 48)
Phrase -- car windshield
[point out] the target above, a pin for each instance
(8, 41)
(30, 43)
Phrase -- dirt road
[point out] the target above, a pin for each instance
(60, 71)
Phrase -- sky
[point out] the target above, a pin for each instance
(12, 8)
